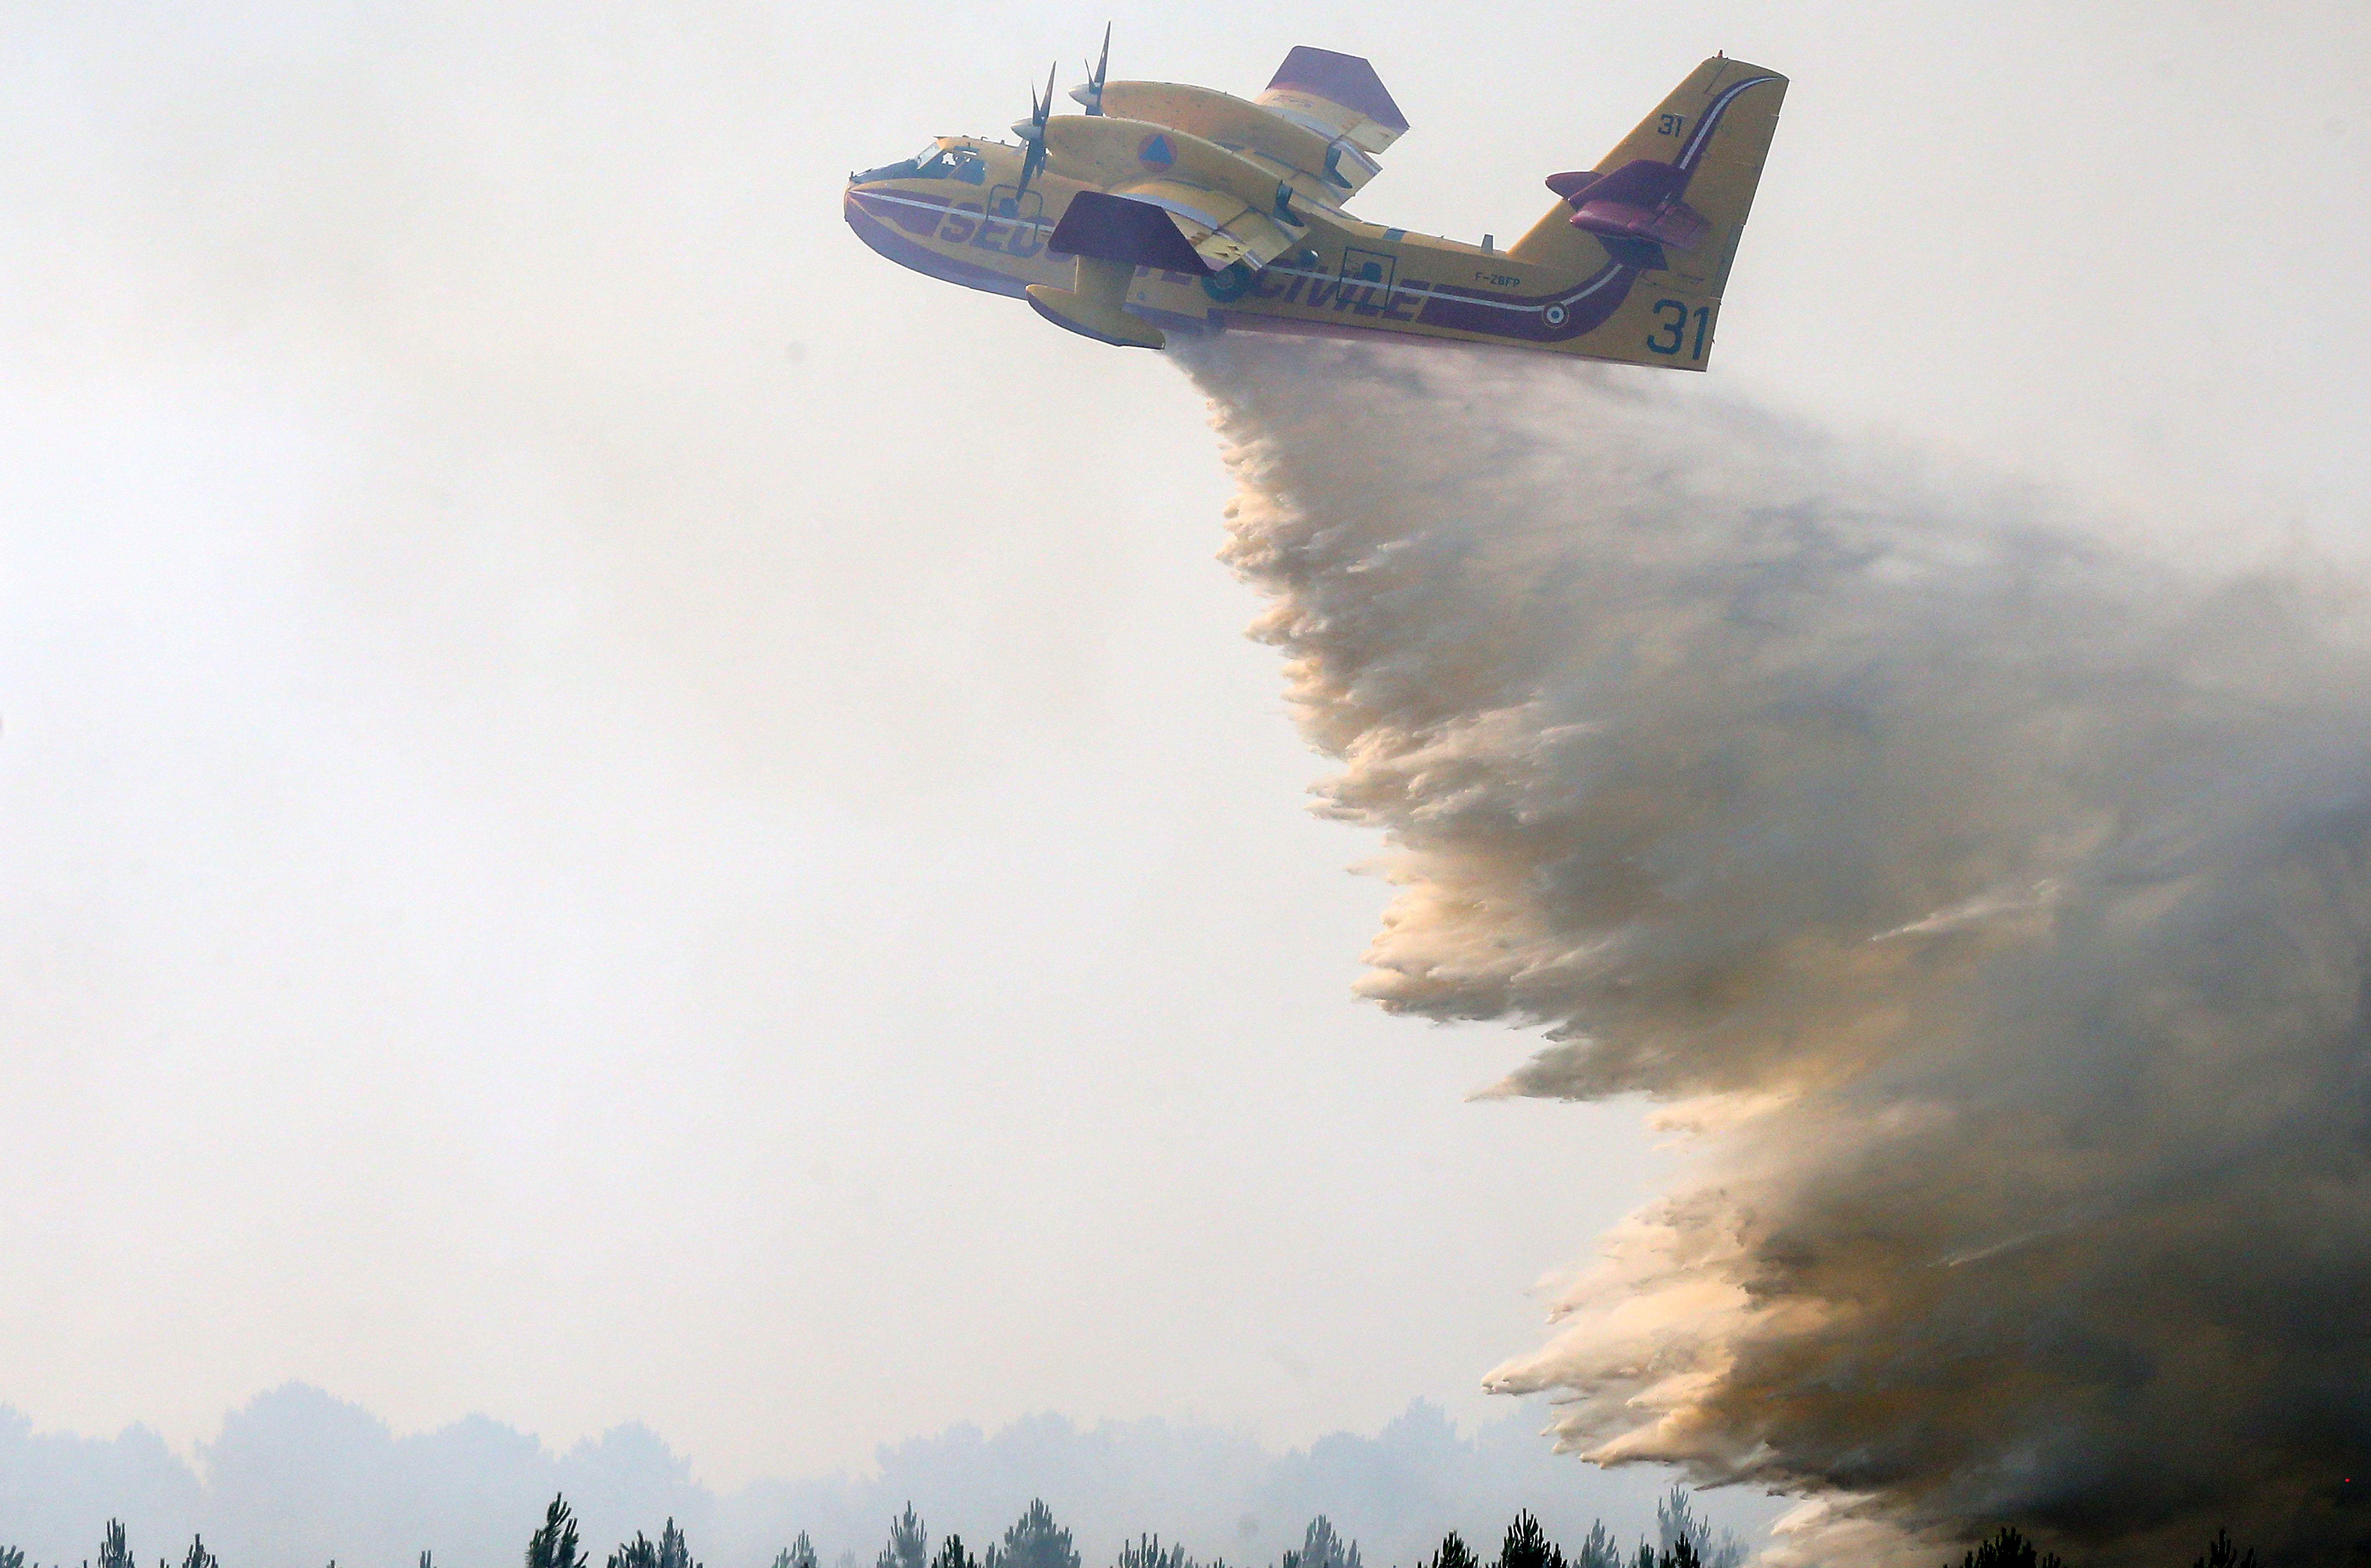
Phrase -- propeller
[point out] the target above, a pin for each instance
(1032, 132)
(1090, 95)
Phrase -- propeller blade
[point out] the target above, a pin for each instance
(1093, 95)
(1034, 133)
(1032, 128)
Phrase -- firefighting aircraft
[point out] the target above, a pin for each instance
(1165, 208)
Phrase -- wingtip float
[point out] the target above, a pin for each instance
(1165, 208)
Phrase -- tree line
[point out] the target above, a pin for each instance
(1037, 1541)
(1685, 1540)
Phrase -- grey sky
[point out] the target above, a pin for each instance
(612, 808)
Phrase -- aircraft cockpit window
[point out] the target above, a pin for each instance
(915, 168)
(954, 165)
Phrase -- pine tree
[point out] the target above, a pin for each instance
(673, 1551)
(1596, 1549)
(1676, 1521)
(1675, 1518)
(1527, 1546)
(1321, 1547)
(2221, 1552)
(952, 1555)
(800, 1553)
(2010, 1550)
(909, 1543)
(639, 1552)
(554, 1545)
(113, 1552)
(1148, 1553)
(1453, 1553)
(12, 1557)
(199, 1557)
(1034, 1541)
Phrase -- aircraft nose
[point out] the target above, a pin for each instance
(872, 208)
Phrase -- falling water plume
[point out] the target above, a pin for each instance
(1990, 893)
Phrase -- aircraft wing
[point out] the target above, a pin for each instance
(1222, 228)
(1319, 127)
(1339, 97)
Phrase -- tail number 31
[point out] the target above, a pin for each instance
(1674, 335)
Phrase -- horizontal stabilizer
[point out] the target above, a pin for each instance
(1639, 200)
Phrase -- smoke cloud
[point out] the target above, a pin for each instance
(1986, 893)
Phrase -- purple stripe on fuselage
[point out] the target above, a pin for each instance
(1537, 318)
(876, 229)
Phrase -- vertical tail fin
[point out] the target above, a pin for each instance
(1673, 196)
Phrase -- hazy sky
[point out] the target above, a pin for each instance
(612, 808)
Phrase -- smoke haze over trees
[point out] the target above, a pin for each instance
(298, 1477)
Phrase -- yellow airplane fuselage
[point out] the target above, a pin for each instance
(1630, 269)
(1370, 279)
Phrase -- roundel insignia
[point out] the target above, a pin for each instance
(1156, 151)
